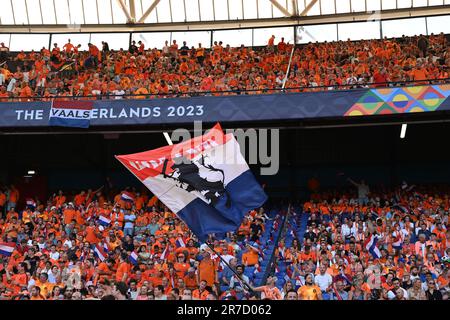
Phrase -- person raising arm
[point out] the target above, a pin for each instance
(270, 291)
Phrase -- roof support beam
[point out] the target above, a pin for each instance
(149, 10)
(387, 14)
(125, 10)
(132, 11)
(308, 7)
(281, 8)
(294, 8)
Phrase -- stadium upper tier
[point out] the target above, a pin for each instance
(182, 70)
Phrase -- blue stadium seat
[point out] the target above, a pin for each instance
(250, 269)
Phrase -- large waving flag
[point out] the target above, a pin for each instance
(204, 180)
(71, 113)
(371, 245)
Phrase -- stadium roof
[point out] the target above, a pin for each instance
(154, 15)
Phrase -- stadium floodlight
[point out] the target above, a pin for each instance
(403, 131)
(31, 172)
(169, 141)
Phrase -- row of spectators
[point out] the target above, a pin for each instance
(369, 245)
(185, 71)
(86, 247)
(324, 253)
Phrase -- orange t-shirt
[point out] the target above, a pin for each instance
(91, 236)
(250, 258)
(2, 199)
(69, 215)
(14, 196)
(207, 271)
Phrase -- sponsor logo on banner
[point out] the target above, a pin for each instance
(71, 114)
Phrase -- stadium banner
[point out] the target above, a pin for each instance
(75, 113)
(287, 106)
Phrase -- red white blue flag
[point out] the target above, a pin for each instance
(71, 113)
(31, 203)
(7, 249)
(104, 221)
(99, 252)
(180, 243)
(205, 181)
(371, 245)
(134, 258)
(127, 196)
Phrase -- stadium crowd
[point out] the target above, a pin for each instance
(174, 70)
(87, 247)
(329, 259)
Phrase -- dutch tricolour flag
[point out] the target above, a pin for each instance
(99, 252)
(71, 113)
(31, 203)
(127, 196)
(7, 249)
(397, 240)
(134, 258)
(180, 243)
(205, 181)
(104, 221)
(371, 246)
(163, 254)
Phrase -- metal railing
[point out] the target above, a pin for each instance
(336, 87)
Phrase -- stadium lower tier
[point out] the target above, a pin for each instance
(373, 244)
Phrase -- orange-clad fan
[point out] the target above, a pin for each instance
(83, 243)
(148, 73)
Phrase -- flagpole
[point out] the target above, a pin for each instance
(249, 287)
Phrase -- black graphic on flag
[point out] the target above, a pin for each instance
(198, 176)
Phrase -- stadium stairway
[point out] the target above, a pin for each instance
(268, 261)
(294, 228)
(267, 242)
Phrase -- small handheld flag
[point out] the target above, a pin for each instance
(134, 258)
(99, 252)
(163, 254)
(371, 246)
(6, 249)
(396, 240)
(180, 243)
(72, 113)
(104, 221)
(31, 203)
(127, 196)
